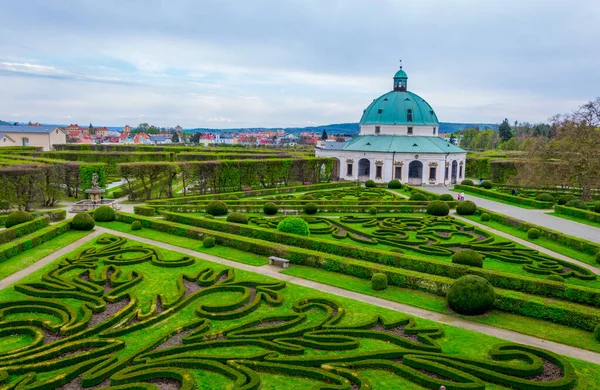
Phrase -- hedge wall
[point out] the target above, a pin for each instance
(578, 213)
(32, 240)
(53, 215)
(407, 207)
(509, 198)
(22, 229)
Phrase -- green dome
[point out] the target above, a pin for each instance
(392, 109)
(400, 75)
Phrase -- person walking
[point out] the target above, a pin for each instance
(458, 196)
(462, 196)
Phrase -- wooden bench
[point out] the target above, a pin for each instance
(274, 260)
(286, 212)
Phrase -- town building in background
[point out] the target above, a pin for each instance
(40, 136)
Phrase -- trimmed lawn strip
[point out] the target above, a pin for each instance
(575, 219)
(188, 243)
(525, 325)
(495, 200)
(25, 259)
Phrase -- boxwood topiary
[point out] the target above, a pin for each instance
(82, 221)
(544, 197)
(231, 197)
(293, 225)
(598, 257)
(486, 184)
(533, 234)
(418, 197)
(372, 210)
(556, 278)
(466, 208)
(471, 295)
(270, 208)
(468, 257)
(596, 207)
(104, 214)
(237, 218)
(446, 197)
(379, 281)
(16, 218)
(564, 199)
(308, 197)
(467, 182)
(136, 225)
(484, 217)
(311, 208)
(369, 183)
(208, 242)
(578, 204)
(395, 184)
(216, 208)
(597, 332)
(438, 208)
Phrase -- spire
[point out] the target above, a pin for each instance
(400, 79)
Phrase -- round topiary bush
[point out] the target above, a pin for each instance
(216, 208)
(83, 221)
(372, 210)
(308, 197)
(208, 242)
(438, 208)
(237, 218)
(395, 184)
(564, 199)
(486, 184)
(270, 208)
(294, 225)
(545, 197)
(484, 217)
(596, 207)
(597, 332)
(379, 281)
(468, 257)
(370, 183)
(418, 197)
(471, 295)
(533, 234)
(556, 278)
(467, 182)
(311, 208)
(466, 208)
(231, 197)
(576, 203)
(446, 197)
(136, 225)
(104, 214)
(16, 218)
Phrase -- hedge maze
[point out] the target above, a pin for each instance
(122, 315)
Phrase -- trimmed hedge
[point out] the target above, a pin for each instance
(294, 225)
(144, 210)
(596, 207)
(545, 197)
(577, 204)
(577, 213)
(372, 210)
(395, 184)
(17, 217)
(379, 281)
(83, 221)
(417, 196)
(370, 184)
(208, 242)
(104, 214)
(468, 257)
(438, 208)
(22, 229)
(506, 197)
(466, 207)
(471, 295)
(33, 240)
(564, 199)
(446, 197)
(311, 208)
(270, 208)
(533, 234)
(216, 208)
(237, 218)
(136, 225)
(467, 182)
(556, 278)
(597, 332)
(485, 217)
(486, 184)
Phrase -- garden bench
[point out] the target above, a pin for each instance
(286, 212)
(274, 260)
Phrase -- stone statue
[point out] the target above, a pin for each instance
(95, 181)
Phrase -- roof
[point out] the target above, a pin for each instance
(28, 129)
(392, 109)
(7, 137)
(401, 144)
(400, 75)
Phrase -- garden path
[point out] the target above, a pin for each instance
(274, 273)
(537, 217)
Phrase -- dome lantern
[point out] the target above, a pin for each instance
(400, 79)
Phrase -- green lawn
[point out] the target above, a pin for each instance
(575, 219)
(280, 330)
(25, 259)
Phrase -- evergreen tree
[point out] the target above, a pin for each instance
(175, 138)
(504, 131)
(324, 135)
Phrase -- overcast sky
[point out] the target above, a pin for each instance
(204, 63)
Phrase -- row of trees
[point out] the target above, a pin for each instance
(520, 136)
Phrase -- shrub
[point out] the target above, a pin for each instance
(486, 184)
(379, 281)
(598, 257)
(545, 197)
(372, 210)
(311, 208)
(564, 199)
(237, 218)
(468, 257)
(438, 208)
(466, 208)
(231, 197)
(370, 183)
(576, 203)
(533, 234)
(308, 197)
(293, 225)
(83, 221)
(467, 182)
(471, 295)
(446, 197)
(485, 217)
(395, 184)
(208, 242)
(144, 210)
(17, 217)
(597, 332)
(596, 207)
(556, 278)
(136, 225)
(104, 214)
(270, 208)
(216, 208)
(418, 197)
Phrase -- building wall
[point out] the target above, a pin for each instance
(398, 130)
(389, 161)
(5, 141)
(46, 141)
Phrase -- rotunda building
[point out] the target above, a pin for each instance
(398, 139)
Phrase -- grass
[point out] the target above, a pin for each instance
(575, 219)
(25, 259)
(533, 327)
(542, 241)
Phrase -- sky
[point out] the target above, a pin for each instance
(284, 63)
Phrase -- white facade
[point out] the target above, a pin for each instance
(398, 130)
(32, 136)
